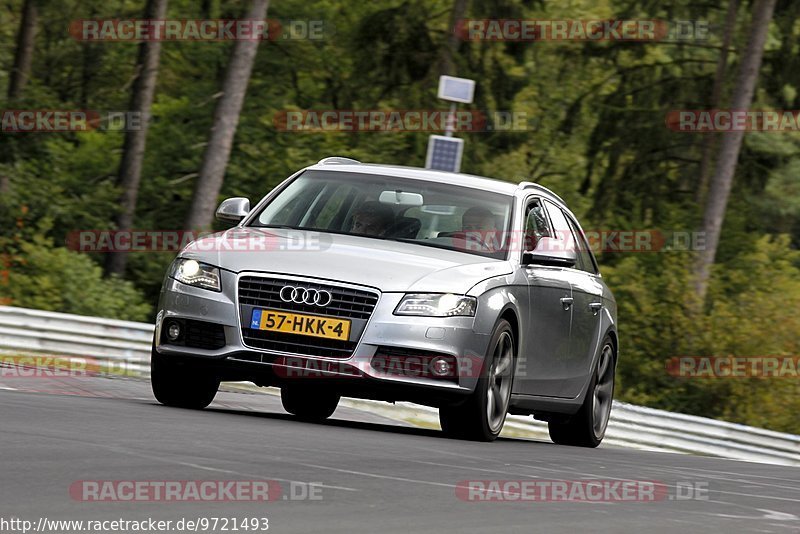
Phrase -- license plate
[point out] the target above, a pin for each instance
(305, 325)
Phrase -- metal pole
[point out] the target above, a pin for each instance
(450, 126)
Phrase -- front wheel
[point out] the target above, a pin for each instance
(482, 415)
(181, 385)
(308, 403)
(588, 427)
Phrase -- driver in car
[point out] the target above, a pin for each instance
(480, 225)
(372, 219)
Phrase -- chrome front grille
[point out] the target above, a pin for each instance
(264, 293)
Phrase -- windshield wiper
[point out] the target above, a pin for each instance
(281, 226)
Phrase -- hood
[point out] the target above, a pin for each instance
(390, 266)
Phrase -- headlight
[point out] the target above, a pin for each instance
(437, 305)
(196, 274)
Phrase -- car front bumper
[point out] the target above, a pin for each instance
(449, 336)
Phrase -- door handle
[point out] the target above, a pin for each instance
(566, 302)
(596, 307)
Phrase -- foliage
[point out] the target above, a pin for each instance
(53, 278)
(661, 323)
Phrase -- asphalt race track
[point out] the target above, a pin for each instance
(370, 474)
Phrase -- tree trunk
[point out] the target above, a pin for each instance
(20, 72)
(226, 119)
(709, 140)
(446, 63)
(722, 179)
(210, 8)
(130, 168)
(24, 53)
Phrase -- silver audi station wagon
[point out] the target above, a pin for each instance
(476, 296)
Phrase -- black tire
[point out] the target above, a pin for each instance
(309, 403)
(470, 419)
(584, 429)
(180, 385)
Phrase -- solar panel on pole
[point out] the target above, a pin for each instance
(444, 153)
(456, 89)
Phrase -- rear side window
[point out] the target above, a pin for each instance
(585, 259)
(561, 228)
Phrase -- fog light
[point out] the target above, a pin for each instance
(440, 366)
(173, 331)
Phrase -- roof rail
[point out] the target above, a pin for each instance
(533, 185)
(338, 160)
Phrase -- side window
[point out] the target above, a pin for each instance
(561, 228)
(535, 224)
(585, 260)
(563, 232)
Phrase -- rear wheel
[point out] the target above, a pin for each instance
(588, 427)
(181, 385)
(482, 415)
(309, 403)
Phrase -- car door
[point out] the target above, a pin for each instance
(549, 317)
(587, 291)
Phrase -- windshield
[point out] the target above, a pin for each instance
(384, 207)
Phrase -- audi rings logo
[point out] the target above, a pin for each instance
(302, 295)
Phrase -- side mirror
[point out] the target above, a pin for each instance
(233, 209)
(551, 252)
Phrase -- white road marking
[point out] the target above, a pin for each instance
(770, 515)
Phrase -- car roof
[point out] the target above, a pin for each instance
(415, 173)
